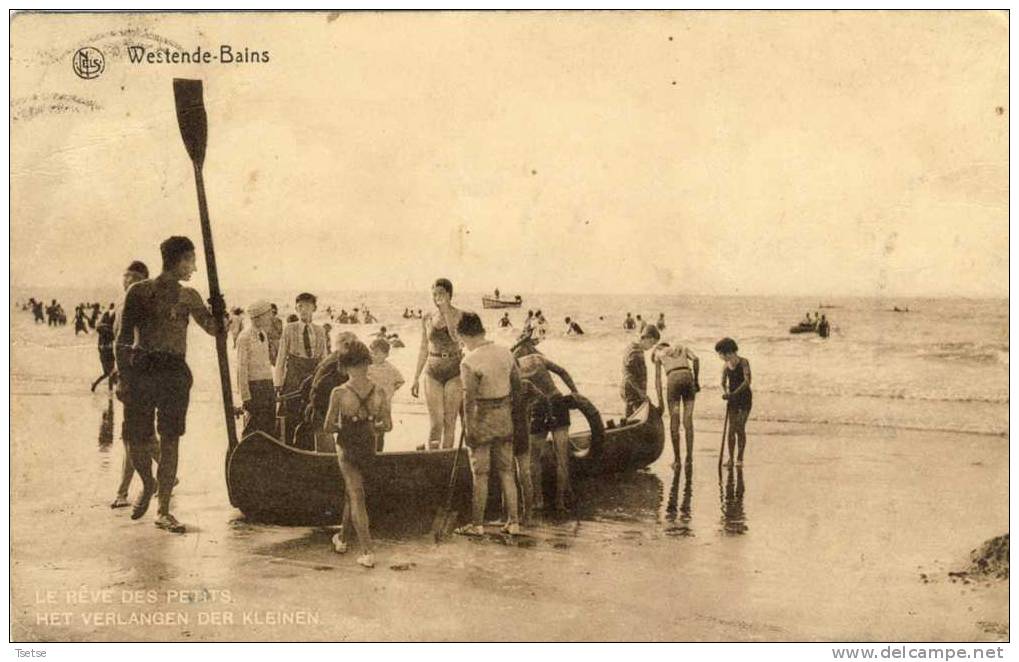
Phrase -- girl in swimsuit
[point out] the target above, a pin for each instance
(439, 359)
(358, 413)
(737, 394)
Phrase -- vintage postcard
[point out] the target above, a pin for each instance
(512, 326)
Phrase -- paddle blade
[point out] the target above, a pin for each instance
(191, 117)
(444, 523)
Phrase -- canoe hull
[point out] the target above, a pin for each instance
(490, 302)
(269, 481)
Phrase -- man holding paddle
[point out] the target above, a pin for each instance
(155, 381)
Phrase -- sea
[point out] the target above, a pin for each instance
(941, 366)
(845, 469)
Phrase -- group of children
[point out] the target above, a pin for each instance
(353, 317)
(680, 367)
(639, 324)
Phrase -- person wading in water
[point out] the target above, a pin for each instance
(155, 380)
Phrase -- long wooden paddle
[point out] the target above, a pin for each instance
(445, 517)
(194, 130)
(725, 430)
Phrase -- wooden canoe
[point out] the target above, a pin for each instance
(270, 481)
(492, 302)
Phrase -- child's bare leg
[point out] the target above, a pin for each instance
(688, 428)
(523, 464)
(741, 431)
(356, 509)
(675, 418)
(537, 448)
(561, 446)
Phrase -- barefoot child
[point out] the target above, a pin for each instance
(384, 374)
(736, 391)
(358, 412)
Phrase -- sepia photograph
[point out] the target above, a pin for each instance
(510, 326)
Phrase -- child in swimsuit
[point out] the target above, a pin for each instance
(385, 375)
(682, 372)
(737, 394)
(358, 413)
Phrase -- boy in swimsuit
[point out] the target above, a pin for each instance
(490, 377)
(358, 412)
(135, 272)
(682, 373)
(572, 328)
(549, 414)
(384, 375)
(439, 359)
(737, 394)
(633, 389)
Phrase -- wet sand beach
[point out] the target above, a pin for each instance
(828, 533)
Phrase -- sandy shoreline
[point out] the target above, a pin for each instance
(814, 562)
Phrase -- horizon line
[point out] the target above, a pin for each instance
(821, 298)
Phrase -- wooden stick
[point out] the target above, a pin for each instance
(194, 130)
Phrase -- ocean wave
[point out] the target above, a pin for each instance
(835, 393)
(883, 426)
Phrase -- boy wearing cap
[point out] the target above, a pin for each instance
(254, 370)
(302, 347)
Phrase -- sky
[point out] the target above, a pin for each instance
(778, 153)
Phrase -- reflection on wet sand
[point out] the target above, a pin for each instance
(106, 424)
(734, 518)
(682, 527)
(609, 508)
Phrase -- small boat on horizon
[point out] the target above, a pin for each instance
(496, 302)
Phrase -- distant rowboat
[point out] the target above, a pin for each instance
(492, 302)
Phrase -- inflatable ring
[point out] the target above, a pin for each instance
(594, 420)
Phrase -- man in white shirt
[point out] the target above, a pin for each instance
(254, 370)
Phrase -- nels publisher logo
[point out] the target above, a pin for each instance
(88, 62)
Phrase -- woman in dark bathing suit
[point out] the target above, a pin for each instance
(736, 391)
(439, 359)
